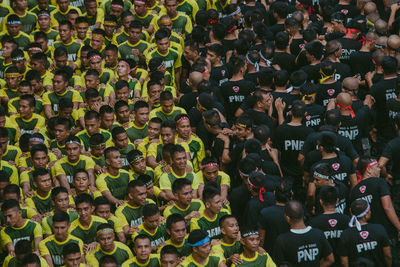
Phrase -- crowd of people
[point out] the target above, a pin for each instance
(204, 133)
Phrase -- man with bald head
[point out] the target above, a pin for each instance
(351, 85)
(188, 100)
(354, 125)
(302, 245)
(393, 44)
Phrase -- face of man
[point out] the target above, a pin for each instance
(84, 211)
(142, 249)
(73, 152)
(210, 173)
(139, 166)
(114, 160)
(123, 114)
(179, 160)
(183, 128)
(61, 132)
(40, 159)
(60, 230)
(230, 228)
(107, 120)
(178, 232)
(163, 45)
(214, 204)
(142, 115)
(204, 250)
(185, 195)
(72, 260)
(106, 240)
(121, 140)
(82, 29)
(62, 202)
(169, 260)
(81, 181)
(138, 195)
(251, 242)
(65, 33)
(43, 183)
(103, 211)
(151, 223)
(12, 216)
(92, 126)
(167, 135)
(153, 130)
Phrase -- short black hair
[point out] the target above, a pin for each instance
(179, 184)
(150, 210)
(58, 190)
(210, 192)
(39, 172)
(10, 204)
(61, 216)
(71, 248)
(84, 198)
(174, 218)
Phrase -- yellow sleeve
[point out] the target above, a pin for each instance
(14, 179)
(178, 62)
(167, 212)
(137, 87)
(46, 99)
(201, 154)
(152, 150)
(30, 212)
(41, 123)
(37, 232)
(52, 157)
(153, 113)
(157, 190)
(185, 146)
(43, 248)
(58, 170)
(217, 249)
(270, 262)
(43, 262)
(101, 184)
(78, 81)
(29, 202)
(199, 176)
(46, 228)
(225, 179)
(5, 238)
(7, 260)
(91, 260)
(141, 147)
(193, 224)
(121, 216)
(107, 91)
(90, 163)
(165, 183)
(194, 12)
(48, 80)
(100, 15)
(189, 26)
(76, 97)
(109, 143)
(118, 224)
(11, 107)
(195, 183)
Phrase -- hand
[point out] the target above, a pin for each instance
(133, 229)
(162, 220)
(369, 75)
(135, 52)
(93, 188)
(189, 168)
(120, 203)
(235, 259)
(273, 153)
(280, 105)
(137, 142)
(227, 131)
(223, 137)
(394, 7)
(57, 152)
(225, 202)
(28, 194)
(37, 218)
(261, 251)
(194, 214)
(167, 169)
(90, 248)
(369, 100)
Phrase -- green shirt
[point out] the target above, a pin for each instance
(156, 238)
(137, 133)
(228, 249)
(47, 222)
(41, 204)
(64, 167)
(125, 49)
(50, 246)
(133, 216)
(159, 113)
(258, 260)
(51, 36)
(195, 205)
(121, 253)
(29, 231)
(212, 261)
(211, 226)
(153, 261)
(87, 235)
(28, 22)
(117, 185)
(38, 104)
(172, 59)
(73, 49)
(54, 144)
(84, 136)
(146, 19)
(124, 152)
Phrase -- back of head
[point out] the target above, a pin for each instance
(294, 210)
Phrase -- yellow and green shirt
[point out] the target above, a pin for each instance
(121, 253)
(87, 235)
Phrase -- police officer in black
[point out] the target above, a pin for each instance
(363, 239)
(302, 245)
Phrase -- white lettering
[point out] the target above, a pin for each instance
(294, 145)
(236, 98)
(366, 246)
(307, 254)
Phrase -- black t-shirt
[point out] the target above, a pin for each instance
(233, 93)
(272, 220)
(343, 144)
(341, 205)
(333, 226)
(290, 140)
(372, 190)
(238, 199)
(254, 207)
(302, 59)
(382, 92)
(392, 152)
(350, 11)
(296, 46)
(342, 71)
(260, 118)
(361, 63)
(276, 28)
(219, 75)
(356, 128)
(287, 98)
(188, 101)
(304, 247)
(393, 108)
(349, 46)
(342, 167)
(367, 243)
(315, 116)
(313, 74)
(285, 60)
(326, 91)
(228, 44)
(252, 77)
